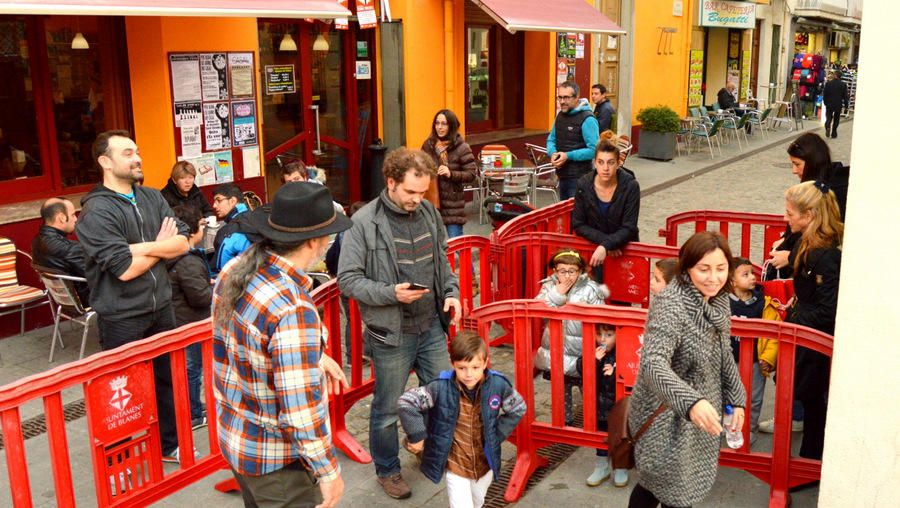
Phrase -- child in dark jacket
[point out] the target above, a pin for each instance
(192, 300)
(457, 422)
(747, 301)
(605, 370)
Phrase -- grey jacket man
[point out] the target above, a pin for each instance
(368, 272)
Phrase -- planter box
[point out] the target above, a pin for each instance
(657, 145)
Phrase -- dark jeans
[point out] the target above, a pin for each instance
(454, 230)
(832, 119)
(118, 332)
(195, 379)
(814, 412)
(567, 188)
(643, 498)
(290, 486)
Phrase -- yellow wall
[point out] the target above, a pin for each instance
(660, 79)
(540, 82)
(716, 63)
(150, 39)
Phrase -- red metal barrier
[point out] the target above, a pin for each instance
(461, 253)
(777, 468)
(772, 227)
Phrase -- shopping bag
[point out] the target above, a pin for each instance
(780, 290)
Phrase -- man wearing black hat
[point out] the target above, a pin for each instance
(269, 364)
(398, 240)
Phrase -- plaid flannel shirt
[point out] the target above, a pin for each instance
(271, 401)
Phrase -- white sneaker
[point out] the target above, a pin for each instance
(175, 458)
(601, 472)
(620, 477)
(768, 426)
(797, 426)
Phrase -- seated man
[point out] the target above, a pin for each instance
(228, 202)
(725, 97)
(52, 248)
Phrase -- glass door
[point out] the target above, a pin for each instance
(478, 79)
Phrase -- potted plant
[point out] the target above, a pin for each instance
(658, 127)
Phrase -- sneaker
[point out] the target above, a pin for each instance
(601, 472)
(175, 458)
(395, 487)
(620, 477)
(198, 423)
(768, 426)
(797, 426)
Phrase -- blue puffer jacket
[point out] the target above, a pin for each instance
(501, 409)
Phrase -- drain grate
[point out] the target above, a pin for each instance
(37, 425)
(555, 455)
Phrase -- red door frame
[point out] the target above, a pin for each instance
(351, 111)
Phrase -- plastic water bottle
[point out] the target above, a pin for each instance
(735, 439)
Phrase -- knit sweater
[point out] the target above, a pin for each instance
(686, 357)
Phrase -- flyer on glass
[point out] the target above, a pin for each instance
(240, 71)
(217, 124)
(243, 119)
(214, 76)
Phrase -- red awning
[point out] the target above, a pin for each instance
(233, 8)
(548, 16)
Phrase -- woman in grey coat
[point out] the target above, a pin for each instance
(568, 284)
(686, 365)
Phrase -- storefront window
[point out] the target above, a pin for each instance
(478, 75)
(283, 112)
(20, 155)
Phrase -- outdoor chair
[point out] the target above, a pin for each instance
(708, 133)
(761, 120)
(546, 181)
(15, 297)
(65, 304)
(738, 128)
(625, 148)
(789, 116)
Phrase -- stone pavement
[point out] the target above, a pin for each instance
(750, 181)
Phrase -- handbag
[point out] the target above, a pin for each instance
(780, 290)
(620, 442)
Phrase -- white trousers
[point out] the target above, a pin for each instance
(466, 493)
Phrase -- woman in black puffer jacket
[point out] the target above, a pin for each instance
(456, 167)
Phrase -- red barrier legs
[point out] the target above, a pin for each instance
(781, 438)
(527, 459)
(341, 436)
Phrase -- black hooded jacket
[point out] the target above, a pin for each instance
(194, 198)
(109, 223)
(52, 248)
(620, 225)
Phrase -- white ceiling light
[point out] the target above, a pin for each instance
(287, 43)
(79, 42)
(321, 43)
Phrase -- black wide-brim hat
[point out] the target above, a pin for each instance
(300, 211)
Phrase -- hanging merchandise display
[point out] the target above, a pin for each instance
(809, 73)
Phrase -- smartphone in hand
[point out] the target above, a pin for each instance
(416, 287)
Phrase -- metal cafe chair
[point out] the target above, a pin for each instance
(65, 304)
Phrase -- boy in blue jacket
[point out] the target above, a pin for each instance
(470, 412)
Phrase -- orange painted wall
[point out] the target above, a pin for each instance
(150, 39)
(660, 79)
(540, 84)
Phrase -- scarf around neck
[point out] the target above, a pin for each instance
(714, 313)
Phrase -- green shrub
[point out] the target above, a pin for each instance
(659, 119)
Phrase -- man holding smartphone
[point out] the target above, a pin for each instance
(396, 240)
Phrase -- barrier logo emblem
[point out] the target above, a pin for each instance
(121, 396)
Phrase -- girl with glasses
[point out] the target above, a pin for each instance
(567, 284)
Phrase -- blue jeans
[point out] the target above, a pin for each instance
(759, 388)
(567, 188)
(195, 376)
(454, 230)
(427, 354)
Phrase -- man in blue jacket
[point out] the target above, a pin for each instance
(572, 139)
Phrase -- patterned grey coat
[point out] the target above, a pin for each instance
(686, 357)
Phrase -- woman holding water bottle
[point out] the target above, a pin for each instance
(687, 377)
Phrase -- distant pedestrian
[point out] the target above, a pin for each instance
(607, 205)
(457, 422)
(686, 369)
(836, 97)
(572, 139)
(271, 374)
(455, 168)
(604, 111)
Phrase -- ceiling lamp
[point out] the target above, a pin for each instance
(287, 43)
(321, 43)
(79, 42)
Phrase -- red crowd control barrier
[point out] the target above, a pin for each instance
(462, 252)
(772, 226)
(775, 467)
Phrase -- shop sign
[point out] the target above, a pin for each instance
(727, 14)
(342, 23)
(363, 69)
(280, 79)
(365, 13)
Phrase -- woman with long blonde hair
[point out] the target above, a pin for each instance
(812, 210)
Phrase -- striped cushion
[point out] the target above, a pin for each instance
(17, 295)
(7, 263)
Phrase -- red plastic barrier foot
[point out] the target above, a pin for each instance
(779, 498)
(229, 485)
(350, 446)
(526, 464)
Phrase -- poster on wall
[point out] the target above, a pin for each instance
(562, 70)
(243, 120)
(570, 69)
(214, 76)
(187, 113)
(217, 124)
(240, 74)
(745, 75)
(185, 77)
(570, 45)
(250, 157)
(205, 166)
(191, 140)
(224, 167)
(579, 45)
(561, 45)
(695, 79)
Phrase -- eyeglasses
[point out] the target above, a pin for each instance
(440, 124)
(564, 97)
(568, 272)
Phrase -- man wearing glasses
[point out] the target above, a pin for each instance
(572, 139)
